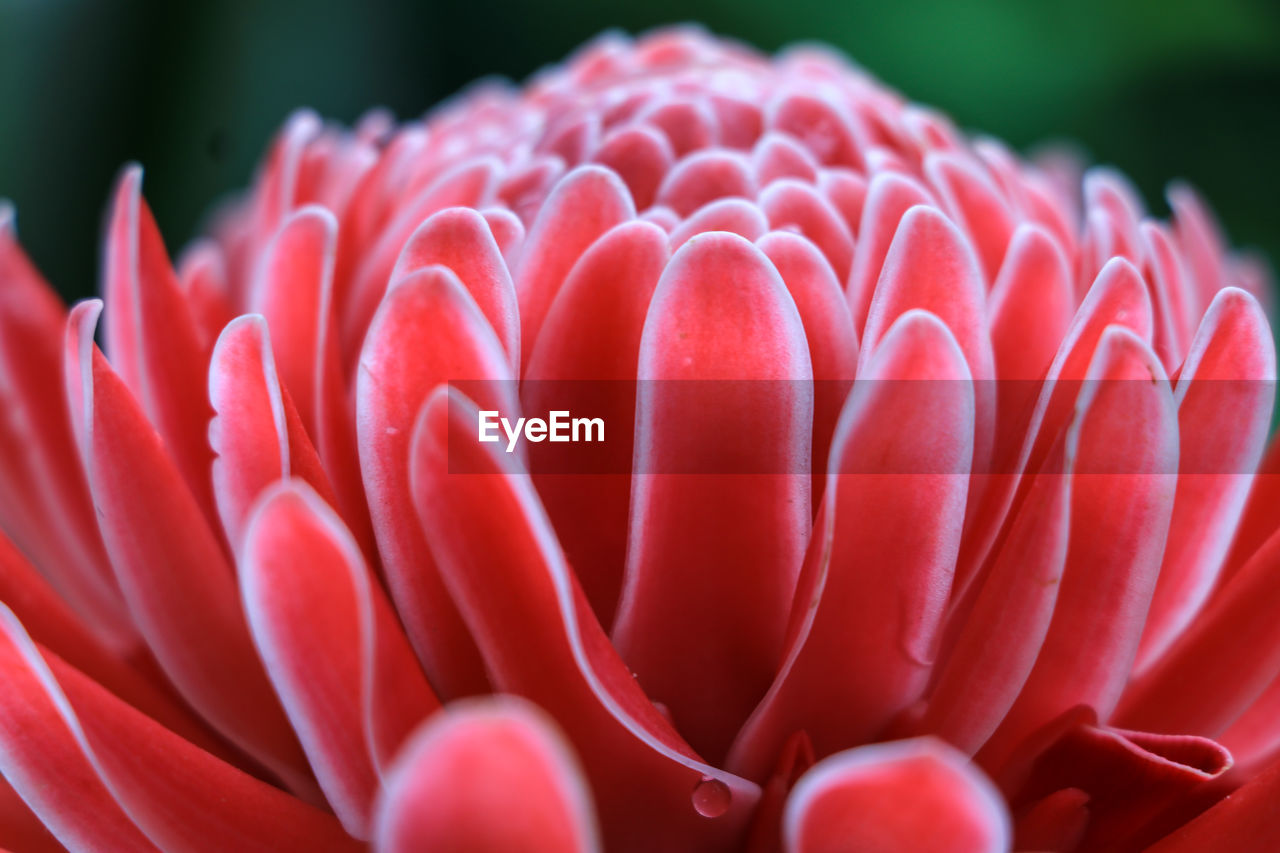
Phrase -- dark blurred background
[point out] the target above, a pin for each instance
(1160, 88)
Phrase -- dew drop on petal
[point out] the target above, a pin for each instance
(711, 797)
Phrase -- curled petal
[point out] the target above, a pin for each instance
(917, 795)
(1246, 820)
(487, 777)
(972, 200)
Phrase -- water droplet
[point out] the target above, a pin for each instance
(711, 797)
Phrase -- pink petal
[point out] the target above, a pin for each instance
(428, 331)
(735, 215)
(202, 276)
(593, 333)
(833, 345)
(777, 155)
(584, 204)
(1225, 392)
(725, 380)
(917, 795)
(460, 239)
(501, 561)
(86, 760)
(889, 197)
(1125, 450)
(1246, 820)
(49, 622)
(976, 204)
(256, 433)
(704, 177)
(875, 583)
(641, 156)
(487, 777)
(150, 523)
(1223, 661)
(331, 645)
(294, 293)
(152, 337)
(790, 204)
(470, 184)
(689, 125)
(999, 639)
(44, 498)
(831, 136)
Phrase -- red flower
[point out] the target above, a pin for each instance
(255, 551)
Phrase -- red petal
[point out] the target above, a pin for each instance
(1125, 448)
(915, 795)
(1225, 392)
(828, 329)
(1223, 661)
(255, 433)
(735, 215)
(721, 317)
(150, 523)
(332, 647)
(875, 584)
(976, 205)
(470, 184)
(584, 204)
(44, 498)
(86, 760)
(641, 156)
(1000, 637)
(487, 777)
(55, 627)
(790, 204)
(459, 238)
(152, 337)
(501, 561)
(429, 331)
(704, 177)
(1246, 820)
(889, 197)
(777, 155)
(593, 333)
(821, 126)
(294, 293)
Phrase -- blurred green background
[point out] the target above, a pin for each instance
(1182, 88)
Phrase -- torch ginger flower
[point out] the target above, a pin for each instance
(265, 589)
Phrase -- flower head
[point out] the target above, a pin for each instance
(925, 514)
